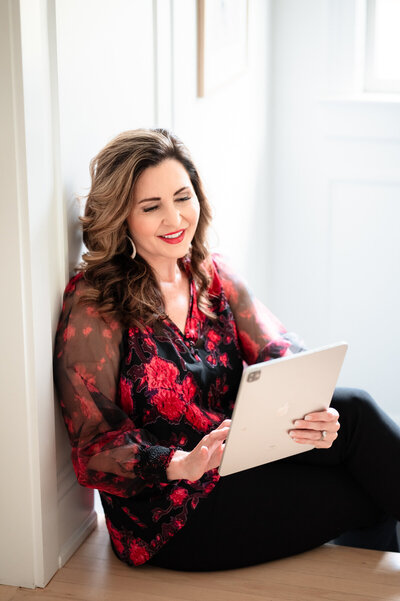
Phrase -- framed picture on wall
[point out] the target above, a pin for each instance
(222, 36)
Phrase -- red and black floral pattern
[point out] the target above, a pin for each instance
(131, 398)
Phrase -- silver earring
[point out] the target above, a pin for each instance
(133, 255)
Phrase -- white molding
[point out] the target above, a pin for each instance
(367, 98)
(77, 538)
(391, 179)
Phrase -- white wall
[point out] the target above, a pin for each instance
(336, 190)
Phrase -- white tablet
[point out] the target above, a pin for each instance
(271, 396)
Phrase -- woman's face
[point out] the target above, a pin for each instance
(165, 212)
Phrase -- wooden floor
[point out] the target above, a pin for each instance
(328, 573)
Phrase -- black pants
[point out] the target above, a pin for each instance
(295, 504)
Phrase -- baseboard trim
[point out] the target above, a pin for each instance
(77, 538)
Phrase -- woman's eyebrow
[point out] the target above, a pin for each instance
(159, 198)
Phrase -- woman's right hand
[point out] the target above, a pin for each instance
(205, 456)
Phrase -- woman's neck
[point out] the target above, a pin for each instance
(168, 272)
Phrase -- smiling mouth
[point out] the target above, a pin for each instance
(173, 235)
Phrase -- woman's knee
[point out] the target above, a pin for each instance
(353, 399)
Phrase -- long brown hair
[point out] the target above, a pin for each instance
(123, 288)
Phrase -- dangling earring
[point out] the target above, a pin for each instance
(133, 255)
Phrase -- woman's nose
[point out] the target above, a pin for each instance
(172, 215)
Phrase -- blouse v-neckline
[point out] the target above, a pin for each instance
(187, 330)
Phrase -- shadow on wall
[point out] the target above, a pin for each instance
(74, 208)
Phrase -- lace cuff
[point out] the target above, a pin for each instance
(153, 463)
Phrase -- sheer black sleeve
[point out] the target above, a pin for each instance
(108, 451)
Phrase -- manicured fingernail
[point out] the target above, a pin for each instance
(297, 422)
(308, 417)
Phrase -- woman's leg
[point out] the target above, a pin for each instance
(382, 537)
(379, 452)
(298, 503)
(266, 513)
(368, 446)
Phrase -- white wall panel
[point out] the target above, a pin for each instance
(335, 193)
(365, 287)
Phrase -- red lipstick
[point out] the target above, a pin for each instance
(175, 240)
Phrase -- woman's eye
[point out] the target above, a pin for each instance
(154, 207)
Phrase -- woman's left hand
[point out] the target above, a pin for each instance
(311, 429)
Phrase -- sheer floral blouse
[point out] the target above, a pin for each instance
(130, 398)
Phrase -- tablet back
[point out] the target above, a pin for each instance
(271, 396)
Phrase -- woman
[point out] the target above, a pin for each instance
(149, 355)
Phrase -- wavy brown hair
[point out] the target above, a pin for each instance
(123, 288)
